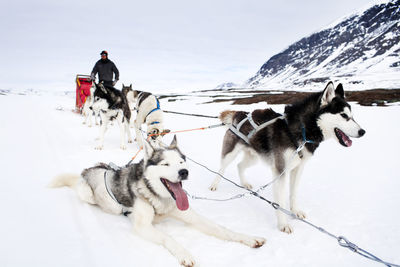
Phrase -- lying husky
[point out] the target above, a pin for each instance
(275, 137)
(147, 191)
(112, 105)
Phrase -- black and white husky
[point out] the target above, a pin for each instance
(131, 97)
(274, 138)
(146, 192)
(111, 104)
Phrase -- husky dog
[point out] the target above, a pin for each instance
(87, 110)
(149, 113)
(131, 95)
(274, 138)
(112, 105)
(148, 191)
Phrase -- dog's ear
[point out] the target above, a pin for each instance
(174, 143)
(328, 94)
(130, 86)
(148, 149)
(123, 85)
(339, 90)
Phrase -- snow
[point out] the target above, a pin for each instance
(348, 191)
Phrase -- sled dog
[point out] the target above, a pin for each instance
(112, 105)
(149, 113)
(131, 96)
(87, 110)
(274, 138)
(148, 191)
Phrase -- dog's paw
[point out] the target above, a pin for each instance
(254, 242)
(286, 228)
(213, 187)
(300, 214)
(123, 147)
(98, 147)
(186, 260)
(130, 141)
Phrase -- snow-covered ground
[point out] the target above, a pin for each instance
(352, 192)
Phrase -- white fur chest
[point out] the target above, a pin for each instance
(161, 205)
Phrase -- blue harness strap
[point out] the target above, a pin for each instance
(151, 111)
(157, 108)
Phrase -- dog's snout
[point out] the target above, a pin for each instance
(183, 173)
(361, 132)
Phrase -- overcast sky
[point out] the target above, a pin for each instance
(157, 45)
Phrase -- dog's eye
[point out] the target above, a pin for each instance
(345, 116)
(164, 164)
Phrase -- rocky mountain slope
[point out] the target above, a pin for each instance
(361, 51)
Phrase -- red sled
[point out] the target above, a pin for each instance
(83, 85)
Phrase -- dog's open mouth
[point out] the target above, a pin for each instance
(176, 191)
(344, 140)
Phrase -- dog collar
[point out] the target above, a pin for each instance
(303, 133)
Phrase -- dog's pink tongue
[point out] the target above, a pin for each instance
(180, 196)
(346, 139)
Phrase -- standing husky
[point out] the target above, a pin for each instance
(112, 105)
(149, 113)
(147, 191)
(130, 95)
(275, 137)
(87, 110)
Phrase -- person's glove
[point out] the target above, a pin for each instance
(114, 82)
(92, 78)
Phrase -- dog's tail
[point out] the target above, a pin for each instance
(66, 179)
(227, 116)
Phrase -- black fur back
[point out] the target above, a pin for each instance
(115, 99)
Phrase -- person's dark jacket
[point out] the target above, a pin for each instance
(105, 68)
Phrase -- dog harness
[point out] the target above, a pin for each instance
(236, 128)
(142, 94)
(124, 211)
(256, 128)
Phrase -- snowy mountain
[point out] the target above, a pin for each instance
(361, 50)
(227, 85)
